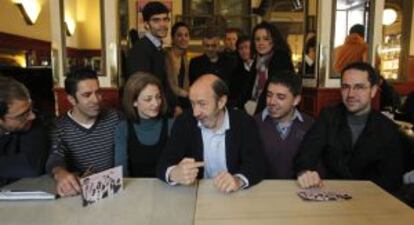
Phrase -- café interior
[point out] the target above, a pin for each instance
(40, 40)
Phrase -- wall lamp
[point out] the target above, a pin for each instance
(70, 26)
(389, 16)
(30, 10)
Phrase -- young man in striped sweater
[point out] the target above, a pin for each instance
(83, 139)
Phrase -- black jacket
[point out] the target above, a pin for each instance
(23, 154)
(244, 151)
(376, 155)
(146, 57)
(202, 65)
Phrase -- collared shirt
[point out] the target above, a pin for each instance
(156, 41)
(248, 65)
(284, 128)
(214, 145)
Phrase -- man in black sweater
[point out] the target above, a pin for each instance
(352, 141)
(23, 137)
(212, 61)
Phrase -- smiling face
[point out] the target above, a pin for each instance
(211, 47)
(357, 91)
(158, 25)
(263, 41)
(148, 102)
(87, 100)
(280, 102)
(181, 38)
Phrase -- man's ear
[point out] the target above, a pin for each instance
(146, 25)
(72, 100)
(222, 101)
(297, 100)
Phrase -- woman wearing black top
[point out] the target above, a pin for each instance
(140, 139)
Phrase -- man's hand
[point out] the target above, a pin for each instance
(186, 171)
(226, 183)
(309, 179)
(66, 183)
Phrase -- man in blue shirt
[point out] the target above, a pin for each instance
(281, 125)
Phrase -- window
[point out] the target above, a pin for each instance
(216, 14)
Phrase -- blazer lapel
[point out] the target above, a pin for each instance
(232, 145)
(197, 147)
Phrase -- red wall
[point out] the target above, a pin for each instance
(110, 98)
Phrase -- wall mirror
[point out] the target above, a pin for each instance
(83, 39)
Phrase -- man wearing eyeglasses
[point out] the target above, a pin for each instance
(352, 140)
(147, 54)
(23, 138)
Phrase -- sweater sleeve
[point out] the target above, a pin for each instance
(312, 146)
(121, 153)
(176, 148)
(252, 160)
(57, 151)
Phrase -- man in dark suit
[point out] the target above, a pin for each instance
(147, 54)
(213, 142)
(352, 140)
(212, 61)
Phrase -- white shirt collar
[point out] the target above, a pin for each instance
(156, 41)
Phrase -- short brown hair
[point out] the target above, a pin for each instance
(133, 87)
(10, 90)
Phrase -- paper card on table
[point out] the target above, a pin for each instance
(101, 185)
(323, 195)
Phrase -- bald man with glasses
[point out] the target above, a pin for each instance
(23, 137)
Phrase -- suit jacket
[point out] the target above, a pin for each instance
(244, 151)
(146, 57)
(202, 65)
(239, 83)
(375, 156)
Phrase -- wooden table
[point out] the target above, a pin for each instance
(142, 202)
(276, 202)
